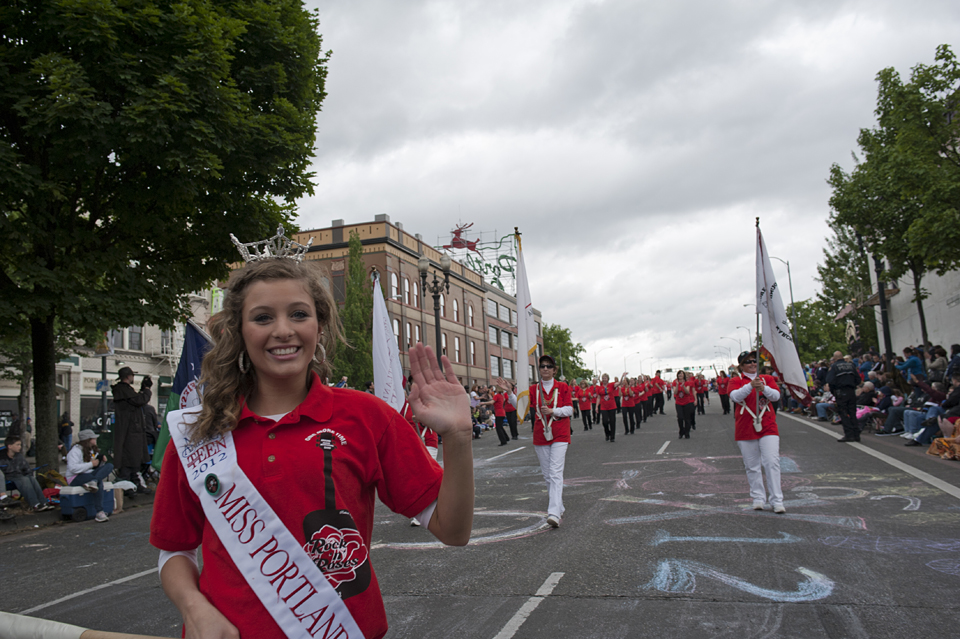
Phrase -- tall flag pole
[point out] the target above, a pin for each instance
(526, 332)
(185, 392)
(387, 369)
(778, 344)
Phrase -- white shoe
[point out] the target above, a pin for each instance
(779, 509)
(758, 505)
(553, 521)
(906, 435)
(101, 516)
(414, 522)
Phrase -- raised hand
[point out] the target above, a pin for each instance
(437, 398)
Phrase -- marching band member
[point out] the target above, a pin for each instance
(551, 406)
(608, 408)
(756, 430)
(684, 396)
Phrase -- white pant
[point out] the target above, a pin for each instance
(552, 458)
(763, 452)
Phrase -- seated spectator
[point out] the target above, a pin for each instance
(948, 446)
(911, 364)
(922, 428)
(894, 422)
(866, 395)
(87, 467)
(954, 366)
(825, 404)
(937, 364)
(18, 471)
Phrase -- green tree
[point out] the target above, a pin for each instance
(134, 137)
(844, 277)
(818, 336)
(558, 343)
(356, 359)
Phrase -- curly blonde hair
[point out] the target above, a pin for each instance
(224, 385)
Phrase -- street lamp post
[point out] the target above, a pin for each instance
(596, 368)
(436, 288)
(749, 335)
(793, 308)
(625, 361)
(735, 339)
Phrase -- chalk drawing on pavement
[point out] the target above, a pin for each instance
(860, 477)
(537, 524)
(663, 536)
(852, 493)
(680, 576)
(725, 483)
(926, 518)
(946, 566)
(913, 503)
(892, 545)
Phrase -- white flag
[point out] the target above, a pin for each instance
(526, 333)
(387, 370)
(778, 343)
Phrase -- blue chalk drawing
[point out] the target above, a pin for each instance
(663, 536)
(679, 576)
(947, 566)
(787, 465)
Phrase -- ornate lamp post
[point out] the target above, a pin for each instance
(436, 287)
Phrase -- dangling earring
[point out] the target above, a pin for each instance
(242, 363)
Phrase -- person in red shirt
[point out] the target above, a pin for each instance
(608, 407)
(551, 406)
(659, 386)
(684, 397)
(595, 394)
(756, 430)
(626, 405)
(701, 385)
(722, 382)
(585, 399)
(500, 414)
(270, 432)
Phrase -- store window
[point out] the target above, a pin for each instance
(493, 334)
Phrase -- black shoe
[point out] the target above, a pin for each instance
(849, 439)
(681, 435)
(688, 436)
(913, 443)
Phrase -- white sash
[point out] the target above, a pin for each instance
(547, 425)
(288, 583)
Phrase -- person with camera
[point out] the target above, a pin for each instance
(87, 466)
(130, 430)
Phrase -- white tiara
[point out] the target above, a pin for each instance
(277, 246)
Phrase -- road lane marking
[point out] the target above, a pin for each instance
(950, 489)
(87, 591)
(664, 447)
(509, 452)
(531, 604)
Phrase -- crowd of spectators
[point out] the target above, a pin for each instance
(916, 397)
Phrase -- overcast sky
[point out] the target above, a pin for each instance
(633, 143)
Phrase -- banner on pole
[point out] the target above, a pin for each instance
(526, 333)
(387, 369)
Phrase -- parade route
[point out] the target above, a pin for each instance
(656, 540)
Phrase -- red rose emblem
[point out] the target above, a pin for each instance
(338, 552)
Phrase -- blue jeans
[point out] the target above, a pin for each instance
(29, 489)
(98, 474)
(822, 409)
(913, 419)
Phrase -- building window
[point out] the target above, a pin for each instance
(406, 290)
(470, 314)
(538, 327)
(516, 318)
(505, 339)
(396, 333)
(473, 353)
(456, 349)
(409, 343)
(394, 287)
(504, 314)
(456, 311)
(443, 306)
(493, 334)
(115, 338)
(491, 308)
(135, 338)
(507, 368)
(416, 334)
(416, 294)
(494, 366)
(443, 343)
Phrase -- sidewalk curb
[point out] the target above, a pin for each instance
(26, 520)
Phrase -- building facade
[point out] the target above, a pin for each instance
(477, 321)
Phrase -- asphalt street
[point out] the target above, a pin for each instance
(658, 540)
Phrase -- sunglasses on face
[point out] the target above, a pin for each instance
(545, 366)
(749, 361)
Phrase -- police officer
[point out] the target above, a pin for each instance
(843, 378)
